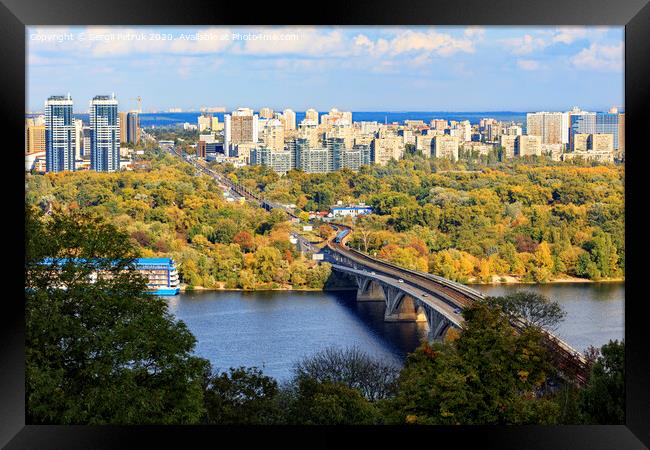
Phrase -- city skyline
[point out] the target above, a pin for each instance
(351, 68)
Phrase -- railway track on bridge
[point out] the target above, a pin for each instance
(569, 360)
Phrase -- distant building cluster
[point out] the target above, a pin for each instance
(319, 143)
(57, 141)
(333, 141)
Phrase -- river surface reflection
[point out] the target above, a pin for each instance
(274, 329)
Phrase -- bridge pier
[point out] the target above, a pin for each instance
(399, 307)
(438, 325)
(369, 291)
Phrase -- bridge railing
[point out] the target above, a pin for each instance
(472, 293)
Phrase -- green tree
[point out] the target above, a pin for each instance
(328, 403)
(242, 396)
(103, 352)
(267, 260)
(602, 401)
(489, 375)
(534, 308)
(372, 377)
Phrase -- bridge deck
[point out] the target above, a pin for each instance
(419, 294)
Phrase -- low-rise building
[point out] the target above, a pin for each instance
(352, 211)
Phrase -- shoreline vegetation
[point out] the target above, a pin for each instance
(510, 281)
(534, 220)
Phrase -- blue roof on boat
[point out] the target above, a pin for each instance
(153, 261)
(138, 261)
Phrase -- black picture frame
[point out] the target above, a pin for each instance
(633, 14)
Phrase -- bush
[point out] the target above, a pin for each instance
(352, 367)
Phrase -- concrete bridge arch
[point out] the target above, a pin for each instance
(400, 304)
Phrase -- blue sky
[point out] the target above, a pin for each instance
(350, 68)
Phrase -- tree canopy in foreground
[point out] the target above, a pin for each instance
(104, 352)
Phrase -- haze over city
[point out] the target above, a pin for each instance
(352, 68)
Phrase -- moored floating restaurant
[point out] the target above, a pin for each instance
(161, 273)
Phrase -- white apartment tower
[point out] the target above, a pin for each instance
(104, 134)
(59, 134)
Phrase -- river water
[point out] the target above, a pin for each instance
(274, 329)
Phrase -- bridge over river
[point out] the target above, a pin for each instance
(409, 295)
(417, 296)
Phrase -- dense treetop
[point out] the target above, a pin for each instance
(532, 219)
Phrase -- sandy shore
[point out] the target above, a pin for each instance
(508, 279)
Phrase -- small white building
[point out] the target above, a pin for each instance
(353, 211)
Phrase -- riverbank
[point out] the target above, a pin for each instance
(509, 279)
(184, 288)
(496, 280)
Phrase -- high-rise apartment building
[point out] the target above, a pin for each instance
(528, 145)
(423, 143)
(298, 147)
(204, 122)
(86, 142)
(240, 127)
(336, 146)
(552, 127)
(123, 131)
(439, 124)
(337, 117)
(365, 153)
(34, 138)
(581, 122)
(507, 142)
(445, 147)
(59, 134)
(133, 127)
(78, 138)
(581, 142)
(494, 131)
(279, 161)
(385, 148)
(266, 113)
(311, 114)
(214, 125)
(341, 130)
(273, 135)
(602, 142)
(607, 123)
(289, 119)
(316, 160)
(104, 134)
(621, 133)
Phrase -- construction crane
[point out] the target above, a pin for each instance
(139, 100)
